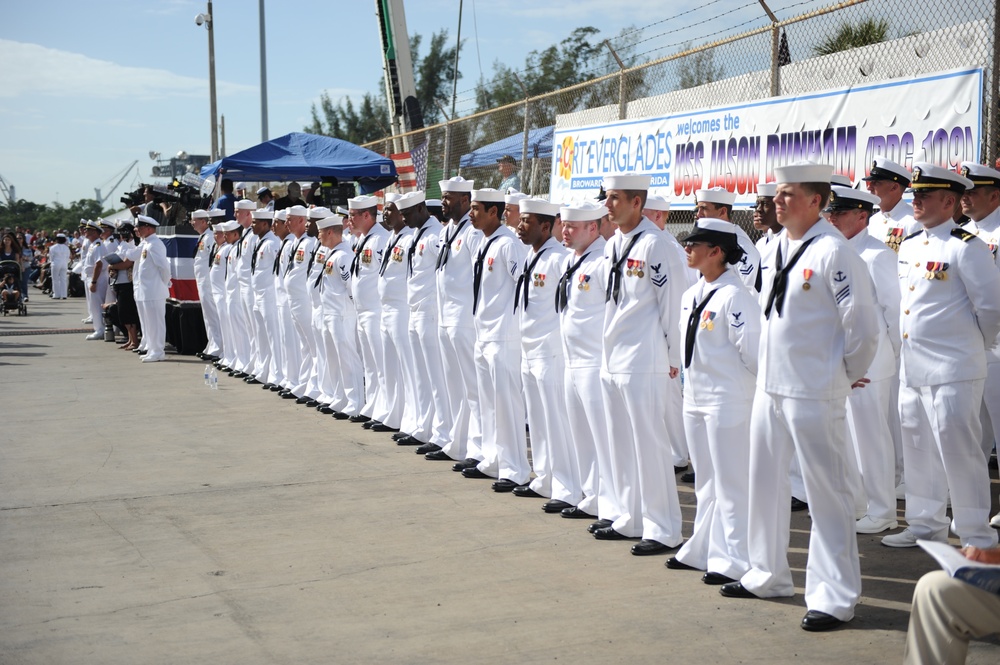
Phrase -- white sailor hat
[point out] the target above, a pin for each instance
(767, 190)
(263, 213)
(928, 176)
(409, 200)
(246, 204)
(841, 180)
(319, 212)
(886, 169)
(341, 210)
(297, 211)
(582, 211)
(456, 184)
(262, 191)
(199, 214)
(799, 172)
(362, 203)
(218, 228)
(714, 231)
(143, 220)
(281, 215)
(656, 202)
(433, 203)
(626, 181)
(538, 206)
(216, 212)
(717, 195)
(980, 175)
(240, 185)
(488, 195)
(60, 235)
(333, 221)
(514, 198)
(229, 226)
(848, 198)
(392, 197)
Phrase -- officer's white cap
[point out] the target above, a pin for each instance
(709, 228)
(263, 213)
(319, 212)
(262, 191)
(143, 220)
(514, 198)
(583, 211)
(717, 195)
(216, 212)
(297, 211)
(409, 200)
(848, 198)
(656, 202)
(886, 169)
(199, 214)
(629, 181)
(537, 206)
(488, 195)
(767, 189)
(800, 172)
(362, 203)
(930, 176)
(333, 221)
(980, 174)
(456, 184)
(246, 204)
(841, 180)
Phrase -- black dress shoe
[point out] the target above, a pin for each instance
(239, 375)
(276, 388)
(816, 621)
(427, 448)
(527, 492)
(467, 463)
(504, 485)
(303, 400)
(313, 403)
(382, 427)
(715, 579)
(399, 435)
(673, 563)
(798, 505)
(647, 547)
(438, 456)
(473, 472)
(339, 415)
(735, 590)
(368, 424)
(409, 441)
(574, 513)
(267, 386)
(680, 469)
(252, 381)
(599, 524)
(360, 419)
(687, 477)
(607, 533)
(325, 409)
(289, 395)
(556, 506)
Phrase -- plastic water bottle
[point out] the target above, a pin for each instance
(208, 372)
(214, 379)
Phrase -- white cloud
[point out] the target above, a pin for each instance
(30, 69)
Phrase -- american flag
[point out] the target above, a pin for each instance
(412, 168)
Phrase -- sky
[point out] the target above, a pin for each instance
(86, 87)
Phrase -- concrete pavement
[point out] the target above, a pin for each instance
(147, 519)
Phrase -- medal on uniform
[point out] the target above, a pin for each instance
(366, 257)
(397, 254)
(489, 264)
(629, 265)
(639, 265)
(299, 255)
(936, 270)
(806, 274)
(457, 245)
(539, 280)
(706, 321)
(893, 238)
(329, 268)
(143, 253)
(421, 250)
(584, 284)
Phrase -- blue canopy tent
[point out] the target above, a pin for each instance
(539, 146)
(299, 156)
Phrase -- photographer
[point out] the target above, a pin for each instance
(149, 207)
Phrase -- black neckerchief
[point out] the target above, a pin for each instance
(615, 274)
(522, 281)
(387, 253)
(356, 261)
(413, 248)
(477, 271)
(446, 250)
(277, 259)
(566, 283)
(291, 257)
(692, 326)
(780, 284)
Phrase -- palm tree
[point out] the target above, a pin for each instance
(848, 36)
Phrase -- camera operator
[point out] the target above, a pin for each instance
(149, 207)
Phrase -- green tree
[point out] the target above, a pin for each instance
(698, 68)
(49, 218)
(369, 121)
(853, 35)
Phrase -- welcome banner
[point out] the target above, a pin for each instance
(934, 118)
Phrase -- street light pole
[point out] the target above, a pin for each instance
(209, 25)
(263, 76)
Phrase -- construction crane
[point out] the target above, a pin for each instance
(8, 191)
(97, 190)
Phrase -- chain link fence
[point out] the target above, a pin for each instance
(762, 53)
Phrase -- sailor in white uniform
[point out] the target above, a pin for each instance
(717, 203)
(220, 264)
(950, 318)
(819, 336)
(265, 306)
(296, 286)
(203, 255)
(151, 281)
(894, 221)
(247, 350)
